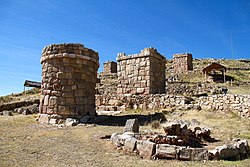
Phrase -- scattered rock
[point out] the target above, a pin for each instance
(178, 142)
(71, 122)
(130, 145)
(43, 118)
(105, 137)
(7, 113)
(119, 140)
(26, 112)
(166, 151)
(228, 152)
(194, 122)
(53, 121)
(20, 110)
(243, 147)
(193, 154)
(115, 140)
(213, 154)
(197, 107)
(146, 149)
(203, 134)
(172, 129)
(55, 116)
(33, 108)
(132, 125)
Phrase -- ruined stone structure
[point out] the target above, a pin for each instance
(110, 67)
(179, 142)
(69, 73)
(142, 73)
(108, 79)
(238, 104)
(183, 62)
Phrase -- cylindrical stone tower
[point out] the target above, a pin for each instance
(69, 73)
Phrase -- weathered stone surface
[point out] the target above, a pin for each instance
(115, 140)
(142, 73)
(182, 62)
(71, 122)
(43, 118)
(146, 149)
(53, 121)
(130, 145)
(243, 148)
(172, 129)
(18, 104)
(26, 111)
(213, 154)
(7, 113)
(193, 154)
(161, 101)
(110, 67)
(228, 152)
(119, 140)
(199, 154)
(132, 125)
(68, 80)
(166, 151)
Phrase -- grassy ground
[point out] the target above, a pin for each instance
(25, 143)
(238, 76)
(29, 94)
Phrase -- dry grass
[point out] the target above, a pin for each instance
(25, 143)
(225, 127)
(29, 94)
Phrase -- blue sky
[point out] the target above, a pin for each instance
(200, 27)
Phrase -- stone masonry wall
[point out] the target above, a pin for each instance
(69, 73)
(142, 73)
(108, 79)
(191, 88)
(110, 67)
(182, 62)
(239, 104)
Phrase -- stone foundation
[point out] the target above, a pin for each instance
(69, 73)
(179, 142)
(239, 104)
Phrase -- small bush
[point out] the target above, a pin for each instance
(155, 124)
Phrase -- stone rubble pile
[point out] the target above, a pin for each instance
(175, 144)
(237, 151)
(19, 104)
(25, 110)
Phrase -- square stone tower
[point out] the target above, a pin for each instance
(110, 67)
(183, 62)
(142, 73)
